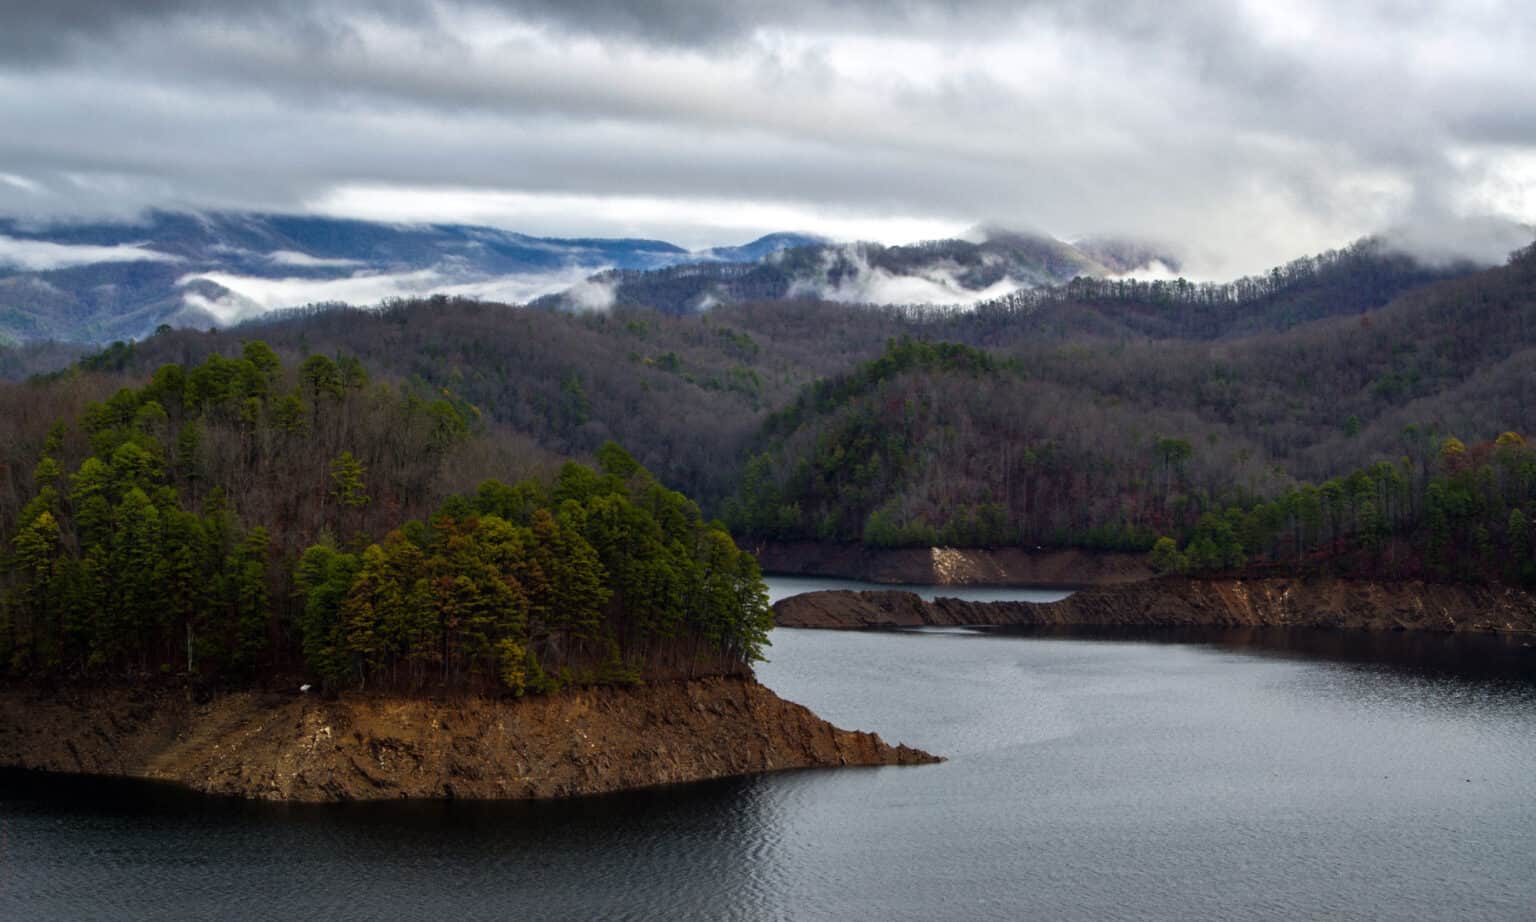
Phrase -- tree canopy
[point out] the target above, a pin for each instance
(238, 521)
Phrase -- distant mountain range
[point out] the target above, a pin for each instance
(104, 281)
(994, 263)
(93, 283)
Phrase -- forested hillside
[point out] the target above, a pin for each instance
(1467, 516)
(20, 361)
(565, 383)
(1361, 277)
(1108, 443)
(939, 443)
(1327, 397)
(687, 393)
(942, 444)
(1103, 422)
(240, 519)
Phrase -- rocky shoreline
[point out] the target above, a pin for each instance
(1180, 602)
(1045, 568)
(294, 747)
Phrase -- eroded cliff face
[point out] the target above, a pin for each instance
(1275, 602)
(303, 748)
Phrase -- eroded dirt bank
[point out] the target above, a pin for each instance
(1271, 602)
(302, 748)
(1067, 568)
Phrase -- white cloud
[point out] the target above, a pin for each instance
(933, 284)
(693, 222)
(592, 295)
(20, 182)
(517, 289)
(295, 258)
(252, 295)
(225, 309)
(1479, 240)
(1156, 271)
(41, 256)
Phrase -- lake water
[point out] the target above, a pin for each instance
(1189, 777)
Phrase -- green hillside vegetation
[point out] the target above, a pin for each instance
(1466, 518)
(940, 443)
(239, 520)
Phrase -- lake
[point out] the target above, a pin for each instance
(1101, 777)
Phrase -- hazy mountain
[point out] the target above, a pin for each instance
(994, 263)
(1120, 256)
(763, 246)
(97, 282)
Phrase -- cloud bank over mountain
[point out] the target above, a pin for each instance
(1249, 132)
(95, 282)
(43, 255)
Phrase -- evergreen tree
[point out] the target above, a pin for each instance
(325, 576)
(348, 483)
(37, 550)
(136, 609)
(248, 600)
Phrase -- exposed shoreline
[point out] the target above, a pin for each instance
(1180, 602)
(1043, 568)
(291, 747)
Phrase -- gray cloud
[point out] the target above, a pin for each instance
(34, 29)
(31, 31)
(1246, 132)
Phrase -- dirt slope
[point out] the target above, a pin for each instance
(303, 748)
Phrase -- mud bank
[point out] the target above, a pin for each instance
(302, 748)
(1270, 602)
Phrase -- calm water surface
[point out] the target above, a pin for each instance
(1215, 776)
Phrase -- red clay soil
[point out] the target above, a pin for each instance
(297, 747)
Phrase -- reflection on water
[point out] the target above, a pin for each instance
(1095, 776)
(78, 847)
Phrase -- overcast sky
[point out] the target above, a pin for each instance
(1242, 133)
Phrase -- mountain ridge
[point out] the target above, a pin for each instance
(946, 271)
(95, 282)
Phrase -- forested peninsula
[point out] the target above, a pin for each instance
(222, 568)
